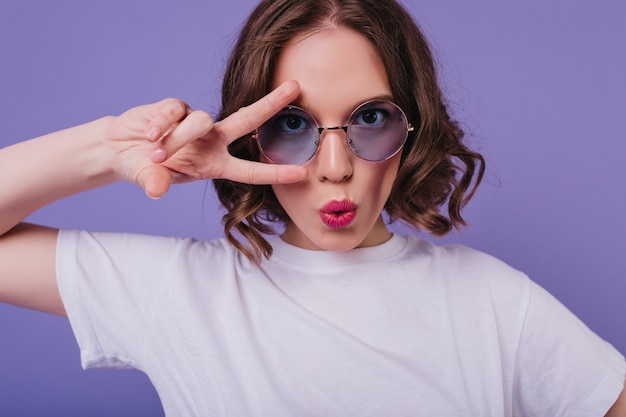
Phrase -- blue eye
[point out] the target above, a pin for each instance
(292, 123)
(290, 137)
(371, 117)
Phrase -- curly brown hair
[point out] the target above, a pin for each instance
(437, 170)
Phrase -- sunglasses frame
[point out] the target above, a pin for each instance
(320, 129)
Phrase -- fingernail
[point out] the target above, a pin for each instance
(158, 155)
(152, 197)
(153, 133)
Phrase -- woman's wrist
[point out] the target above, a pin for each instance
(96, 155)
(40, 171)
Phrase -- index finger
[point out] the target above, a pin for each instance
(250, 172)
(249, 118)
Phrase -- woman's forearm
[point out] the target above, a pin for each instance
(40, 171)
(191, 147)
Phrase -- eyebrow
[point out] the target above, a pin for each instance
(382, 97)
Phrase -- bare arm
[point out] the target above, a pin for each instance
(28, 279)
(34, 174)
(152, 146)
(42, 170)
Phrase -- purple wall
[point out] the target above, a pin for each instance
(539, 85)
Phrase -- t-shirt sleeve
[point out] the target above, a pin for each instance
(563, 368)
(109, 284)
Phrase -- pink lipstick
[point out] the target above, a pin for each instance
(338, 214)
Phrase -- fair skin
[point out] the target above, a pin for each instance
(330, 88)
(108, 150)
(157, 145)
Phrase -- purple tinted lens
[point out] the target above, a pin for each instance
(377, 130)
(290, 137)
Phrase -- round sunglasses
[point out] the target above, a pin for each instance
(376, 131)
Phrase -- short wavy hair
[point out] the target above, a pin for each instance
(438, 174)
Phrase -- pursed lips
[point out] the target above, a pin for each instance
(338, 214)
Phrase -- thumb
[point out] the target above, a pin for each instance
(155, 180)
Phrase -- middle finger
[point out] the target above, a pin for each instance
(195, 125)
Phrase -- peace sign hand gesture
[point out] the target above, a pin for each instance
(182, 145)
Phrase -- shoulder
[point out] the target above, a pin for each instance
(464, 270)
(141, 247)
(459, 259)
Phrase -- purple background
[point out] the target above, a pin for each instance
(539, 86)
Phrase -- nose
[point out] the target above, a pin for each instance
(334, 159)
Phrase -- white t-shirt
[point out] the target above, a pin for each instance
(405, 328)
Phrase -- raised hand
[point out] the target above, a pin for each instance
(170, 143)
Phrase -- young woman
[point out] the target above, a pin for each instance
(331, 115)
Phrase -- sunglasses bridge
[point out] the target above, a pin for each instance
(321, 129)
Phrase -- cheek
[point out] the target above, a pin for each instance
(290, 195)
(383, 179)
